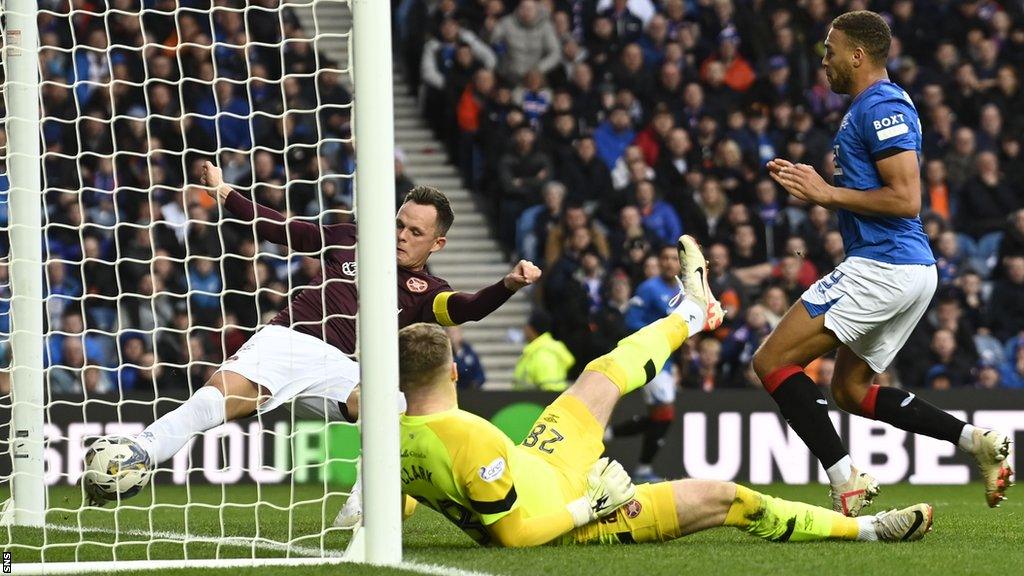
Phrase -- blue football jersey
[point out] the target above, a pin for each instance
(649, 304)
(882, 121)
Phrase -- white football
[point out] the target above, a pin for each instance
(116, 467)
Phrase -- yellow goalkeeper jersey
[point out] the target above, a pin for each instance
(468, 470)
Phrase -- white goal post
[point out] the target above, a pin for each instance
(113, 95)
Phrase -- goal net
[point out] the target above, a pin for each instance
(148, 283)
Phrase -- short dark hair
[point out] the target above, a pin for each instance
(867, 30)
(540, 321)
(430, 196)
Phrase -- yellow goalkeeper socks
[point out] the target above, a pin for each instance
(784, 521)
(638, 357)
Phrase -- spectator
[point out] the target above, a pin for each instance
(586, 176)
(610, 320)
(545, 362)
(972, 298)
(628, 27)
(938, 197)
(529, 41)
(654, 137)
(205, 284)
(658, 216)
(629, 73)
(947, 316)
(738, 349)
(613, 136)
(1006, 308)
(132, 361)
(960, 161)
(776, 304)
(948, 259)
(739, 75)
(537, 221)
(65, 377)
(447, 66)
(1012, 242)
(984, 203)
(705, 223)
(558, 237)
(521, 174)
(470, 369)
(703, 373)
(1011, 373)
(949, 368)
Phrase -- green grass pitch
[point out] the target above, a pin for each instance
(968, 538)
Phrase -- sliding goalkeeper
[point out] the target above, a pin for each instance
(555, 487)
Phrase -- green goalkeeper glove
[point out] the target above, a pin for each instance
(608, 488)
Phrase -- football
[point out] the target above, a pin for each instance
(116, 467)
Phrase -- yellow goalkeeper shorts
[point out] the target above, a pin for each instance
(568, 437)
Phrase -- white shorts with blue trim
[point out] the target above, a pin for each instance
(872, 306)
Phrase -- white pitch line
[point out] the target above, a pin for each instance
(234, 541)
(311, 555)
(438, 570)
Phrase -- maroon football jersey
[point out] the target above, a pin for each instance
(327, 309)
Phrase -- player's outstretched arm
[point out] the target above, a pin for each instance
(451, 308)
(900, 196)
(609, 487)
(271, 225)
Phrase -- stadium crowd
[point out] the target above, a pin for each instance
(145, 286)
(597, 131)
(593, 131)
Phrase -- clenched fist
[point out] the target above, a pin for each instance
(213, 180)
(524, 274)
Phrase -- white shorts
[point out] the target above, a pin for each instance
(293, 365)
(661, 390)
(871, 306)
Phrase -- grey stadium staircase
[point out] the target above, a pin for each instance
(472, 259)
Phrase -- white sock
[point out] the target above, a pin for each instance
(866, 529)
(163, 438)
(966, 442)
(839, 473)
(694, 316)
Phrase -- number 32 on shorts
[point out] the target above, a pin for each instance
(534, 437)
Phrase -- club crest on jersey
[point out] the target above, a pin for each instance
(493, 471)
(416, 285)
(633, 508)
(349, 269)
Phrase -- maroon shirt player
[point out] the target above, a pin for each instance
(304, 355)
(420, 226)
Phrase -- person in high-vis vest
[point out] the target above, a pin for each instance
(545, 362)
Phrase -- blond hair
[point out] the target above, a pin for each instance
(424, 355)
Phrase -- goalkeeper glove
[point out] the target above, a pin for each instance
(608, 488)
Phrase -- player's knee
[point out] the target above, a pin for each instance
(763, 363)
(847, 398)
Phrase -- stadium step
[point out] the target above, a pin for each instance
(472, 259)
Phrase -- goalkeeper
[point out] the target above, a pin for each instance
(555, 488)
